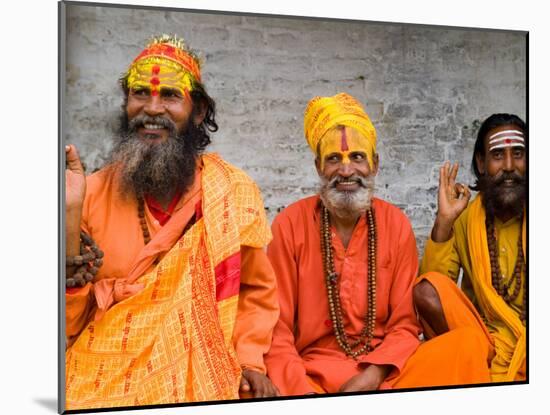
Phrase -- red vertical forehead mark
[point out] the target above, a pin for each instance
(155, 80)
(344, 143)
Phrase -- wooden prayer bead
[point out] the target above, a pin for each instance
(88, 257)
(85, 271)
(79, 279)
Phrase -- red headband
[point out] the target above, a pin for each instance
(164, 50)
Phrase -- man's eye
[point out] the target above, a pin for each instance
(139, 92)
(497, 154)
(518, 152)
(170, 94)
(358, 157)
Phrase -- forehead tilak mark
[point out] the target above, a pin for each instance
(344, 141)
(506, 132)
(155, 80)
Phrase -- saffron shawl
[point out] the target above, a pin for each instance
(508, 332)
(171, 341)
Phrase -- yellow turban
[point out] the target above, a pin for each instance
(324, 113)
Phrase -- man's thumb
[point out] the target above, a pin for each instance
(245, 386)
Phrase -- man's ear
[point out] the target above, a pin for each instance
(318, 166)
(200, 112)
(375, 163)
(480, 163)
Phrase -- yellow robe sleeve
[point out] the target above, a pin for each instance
(441, 257)
(450, 256)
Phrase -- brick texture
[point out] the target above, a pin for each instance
(426, 90)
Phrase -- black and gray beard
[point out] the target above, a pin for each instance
(345, 204)
(498, 198)
(151, 168)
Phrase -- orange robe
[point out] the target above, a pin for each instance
(304, 356)
(113, 223)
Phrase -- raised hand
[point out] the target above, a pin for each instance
(75, 180)
(452, 199)
(75, 190)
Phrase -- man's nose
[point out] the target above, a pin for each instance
(508, 161)
(345, 169)
(154, 106)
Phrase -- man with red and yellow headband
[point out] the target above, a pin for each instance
(170, 296)
(345, 264)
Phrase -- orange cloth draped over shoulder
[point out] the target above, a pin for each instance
(166, 333)
(500, 324)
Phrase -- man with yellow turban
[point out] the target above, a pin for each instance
(486, 239)
(170, 296)
(345, 264)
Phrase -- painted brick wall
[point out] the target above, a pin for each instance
(425, 89)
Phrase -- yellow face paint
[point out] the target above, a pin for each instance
(156, 73)
(344, 141)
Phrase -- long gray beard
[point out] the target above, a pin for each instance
(155, 169)
(344, 204)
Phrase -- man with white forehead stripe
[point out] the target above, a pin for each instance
(487, 240)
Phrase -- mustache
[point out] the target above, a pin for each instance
(141, 120)
(514, 177)
(336, 180)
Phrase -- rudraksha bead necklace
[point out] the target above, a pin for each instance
(331, 280)
(87, 263)
(497, 278)
(143, 221)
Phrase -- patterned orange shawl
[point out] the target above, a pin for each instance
(171, 341)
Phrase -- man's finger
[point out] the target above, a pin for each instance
(459, 189)
(453, 174)
(443, 177)
(245, 386)
(73, 160)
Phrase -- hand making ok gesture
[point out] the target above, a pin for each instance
(452, 199)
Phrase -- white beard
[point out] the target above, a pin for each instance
(344, 204)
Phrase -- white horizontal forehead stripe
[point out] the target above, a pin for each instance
(514, 138)
(506, 145)
(518, 132)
